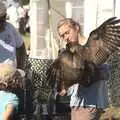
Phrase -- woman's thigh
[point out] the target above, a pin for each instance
(85, 114)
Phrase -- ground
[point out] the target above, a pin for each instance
(112, 113)
(26, 38)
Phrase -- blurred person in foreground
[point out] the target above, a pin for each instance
(12, 46)
(11, 79)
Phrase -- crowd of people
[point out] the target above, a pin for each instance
(91, 102)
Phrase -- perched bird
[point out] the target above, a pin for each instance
(80, 64)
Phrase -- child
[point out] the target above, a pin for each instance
(10, 82)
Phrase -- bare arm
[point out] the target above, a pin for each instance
(9, 112)
(63, 90)
(21, 53)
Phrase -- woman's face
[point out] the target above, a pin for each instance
(68, 33)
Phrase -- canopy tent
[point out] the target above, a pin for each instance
(44, 39)
(45, 15)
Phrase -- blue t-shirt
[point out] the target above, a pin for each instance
(7, 98)
(10, 39)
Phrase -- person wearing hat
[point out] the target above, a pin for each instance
(11, 43)
(10, 80)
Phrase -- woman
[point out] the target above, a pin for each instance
(93, 99)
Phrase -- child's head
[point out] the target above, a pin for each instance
(10, 77)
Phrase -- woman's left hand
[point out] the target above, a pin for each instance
(63, 92)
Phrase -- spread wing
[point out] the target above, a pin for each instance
(53, 74)
(104, 40)
(70, 67)
(66, 70)
(78, 64)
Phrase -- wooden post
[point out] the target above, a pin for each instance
(110, 112)
(39, 27)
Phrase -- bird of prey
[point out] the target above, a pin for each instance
(80, 64)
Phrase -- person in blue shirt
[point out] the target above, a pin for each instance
(93, 99)
(12, 45)
(10, 81)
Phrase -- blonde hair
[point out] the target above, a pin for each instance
(10, 77)
(68, 21)
(65, 21)
(6, 72)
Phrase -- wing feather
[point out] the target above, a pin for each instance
(104, 40)
(76, 63)
(53, 73)
(66, 70)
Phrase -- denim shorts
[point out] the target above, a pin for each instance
(95, 95)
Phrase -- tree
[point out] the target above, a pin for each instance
(25, 2)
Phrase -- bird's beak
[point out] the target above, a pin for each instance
(88, 41)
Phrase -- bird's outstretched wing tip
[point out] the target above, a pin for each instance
(108, 35)
(111, 20)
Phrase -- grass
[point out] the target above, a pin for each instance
(26, 39)
(112, 113)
